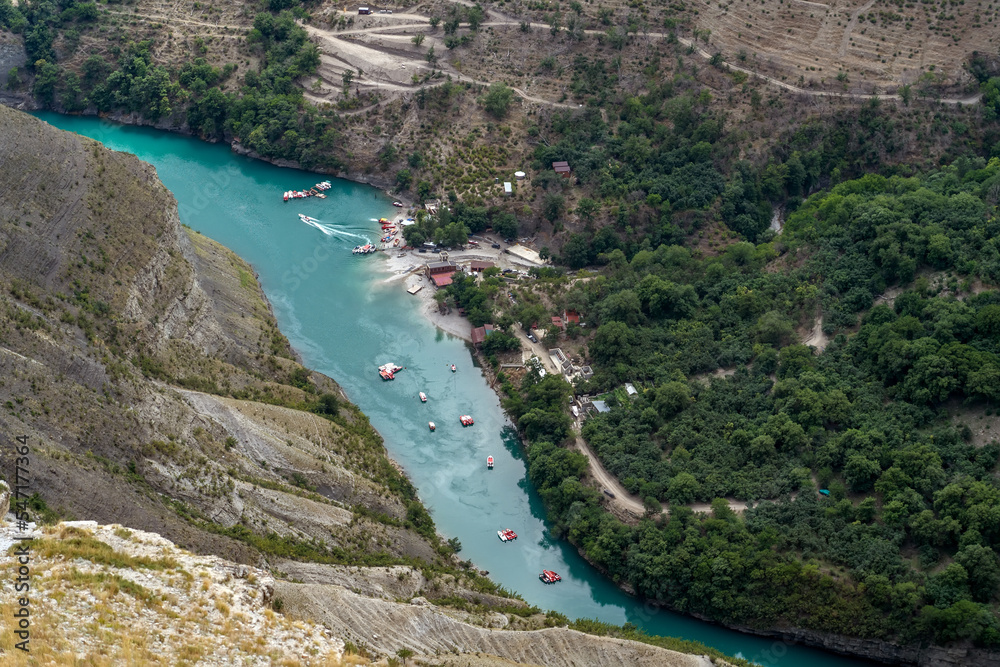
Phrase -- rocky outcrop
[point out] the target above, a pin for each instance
(156, 604)
(4, 499)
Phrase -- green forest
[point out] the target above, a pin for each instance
(903, 542)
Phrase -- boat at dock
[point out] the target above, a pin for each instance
(431, 425)
(314, 191)
(549, 577)
(423, 397)
(388, 371)
(366, 249)
(489, 462)
(466, 420)
(506, 535)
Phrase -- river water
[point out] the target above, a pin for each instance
(346, 317)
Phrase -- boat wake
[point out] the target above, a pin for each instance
(330, 230)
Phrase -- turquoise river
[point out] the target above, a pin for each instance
(345, 317)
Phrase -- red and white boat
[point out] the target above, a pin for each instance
(388, 371)
(549, 577)
(489, 462)
(431, 425)
(423, 397)
(397, 204)
(466, 420)
(453, 369)
(506, 535)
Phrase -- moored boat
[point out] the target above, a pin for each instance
(466, 420)
(431, 425)
(489, 462)
(506, 535)
(397, 204)
(388, 371)
(453, 369)
(423, 397)
(549, 577)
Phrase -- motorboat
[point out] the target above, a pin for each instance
(388, 371)
(549, 577)
(506, 535)
(431, 425)
(423, 397)
(466, 420)
(489, 462)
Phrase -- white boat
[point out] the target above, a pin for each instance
(423, 397)
(431, 425)
(306, 218)
(489, 462)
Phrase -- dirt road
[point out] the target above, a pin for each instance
(629, 502)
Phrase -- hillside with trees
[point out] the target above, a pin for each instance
(901, 543)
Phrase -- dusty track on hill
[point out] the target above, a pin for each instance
(416, 22)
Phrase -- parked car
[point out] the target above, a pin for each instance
(496, 245)
(532, 338)
(436, 250)
(608, 493)
(423, 250)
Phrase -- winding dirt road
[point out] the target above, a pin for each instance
(415, 21)
(624, 500)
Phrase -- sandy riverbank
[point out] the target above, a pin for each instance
(407, 268)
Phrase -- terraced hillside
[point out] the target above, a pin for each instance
(856, 45)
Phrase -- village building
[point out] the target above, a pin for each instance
(479, 334)
(440, 273)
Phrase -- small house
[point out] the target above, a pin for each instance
(601, 406)
(586, 372)
(630, 389)
(558, 322)
(559, 359)
(561, 168)
(571, 317)
(435, 268)
(440, 273)
(478, 266)
(508, 189)
(479, 334)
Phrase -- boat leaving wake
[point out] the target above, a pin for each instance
(329, 230)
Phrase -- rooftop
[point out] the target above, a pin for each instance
(442, 279)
